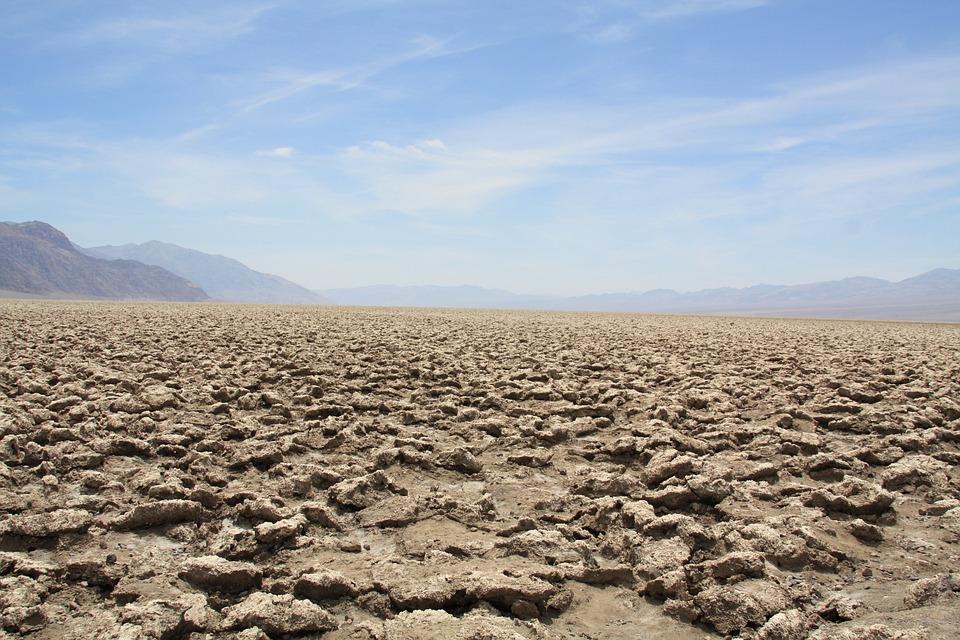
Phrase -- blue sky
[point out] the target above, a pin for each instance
(558, 147)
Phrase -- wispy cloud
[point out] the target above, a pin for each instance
(175, 33)
(617, 20)
(755, 156)
(522, 148)
(667, 9)
(295, 82)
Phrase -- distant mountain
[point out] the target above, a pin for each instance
(436, 296)
(37, 259)
(221, 277)
(933, 296)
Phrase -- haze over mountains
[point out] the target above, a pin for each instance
(38, 260)
(221, 277)
(934, 296)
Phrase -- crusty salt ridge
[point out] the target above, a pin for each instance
(176, 471)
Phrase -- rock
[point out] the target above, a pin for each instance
(872, 632)
(95, 573)
(859, 396)
(163, 618)
(786, 625)
(217, 574)
(324, 585)
(156, 514)
(459, 459)
(364, 491)
(21, 598)
(853, 496)
(865, 531)
(840, 607)
(533, 459)
(44, 525)
(657, 557)
(945, 586)
(263, 510)
(637, 514)
(433, 592)
(159, 397)
(600, 484)
(376, 603)
(602, 574)
(950, 520)
(672, 497)
(665, 465)
(322, 515)
(440, 625)
(911, 470)
(280, 531)
(326, 411)
(672, 584)
(939, 507)
(749, 564)
(524, 609)
(397, 511)
(62, 404)
(729, 610)
(709, 490)
(278, 615)
(262, 455)
(504, 590)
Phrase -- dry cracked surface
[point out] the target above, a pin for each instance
(176, 471)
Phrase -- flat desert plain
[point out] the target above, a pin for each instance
(216, 471)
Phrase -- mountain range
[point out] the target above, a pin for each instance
(38, 260)
(221, 277)
(933, 296)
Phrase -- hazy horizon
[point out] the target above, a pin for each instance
(548, 148)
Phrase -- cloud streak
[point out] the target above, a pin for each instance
(617, 20)
(167, 33)
(293, 82)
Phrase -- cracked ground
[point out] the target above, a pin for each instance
(218, 471)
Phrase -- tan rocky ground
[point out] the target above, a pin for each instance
(176, 471)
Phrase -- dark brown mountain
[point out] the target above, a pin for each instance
(37, 259)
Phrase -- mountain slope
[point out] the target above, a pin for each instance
(221, 277)
(36, 258)
(931, 296)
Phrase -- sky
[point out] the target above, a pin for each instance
(554, 147)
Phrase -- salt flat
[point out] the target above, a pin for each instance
(218, 471)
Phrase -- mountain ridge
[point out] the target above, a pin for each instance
(38, 259)
(934, 295)
(222, 277)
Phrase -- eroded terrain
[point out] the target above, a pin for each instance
(177, 471)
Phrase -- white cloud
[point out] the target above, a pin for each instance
(277, 152)
(725, 159)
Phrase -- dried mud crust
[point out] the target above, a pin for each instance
(176, 471)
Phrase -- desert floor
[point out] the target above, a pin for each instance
(217, 471)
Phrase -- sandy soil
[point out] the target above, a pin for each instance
(213, 471)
